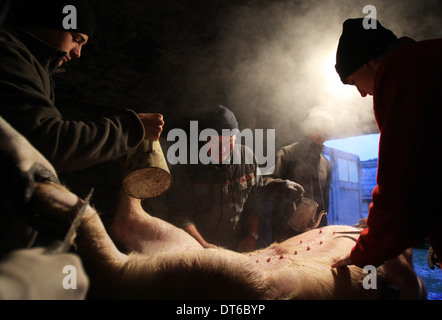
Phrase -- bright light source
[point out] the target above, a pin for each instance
(332, 81)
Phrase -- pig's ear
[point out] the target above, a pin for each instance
(15, 188)
(21, 165)
(23, 153)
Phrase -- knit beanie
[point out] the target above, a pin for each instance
(49, 14)
(359, 45)
(219, 118)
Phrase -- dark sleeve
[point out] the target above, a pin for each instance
(26, 103)
(253, 205)
(405, 207)
(272, 182)
(281, 164)
(326, 192)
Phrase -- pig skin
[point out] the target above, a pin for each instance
(161, 261)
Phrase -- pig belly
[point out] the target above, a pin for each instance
(319, 245)
(299, 268)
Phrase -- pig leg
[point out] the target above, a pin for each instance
(133, 229)
(21, 166)
(55, 205)
(169, 271)
(190, 274)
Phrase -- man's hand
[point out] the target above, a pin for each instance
(292, 190)
(247, 244)
(207, 245)
(153, 125)
(193, 231)
(34, 275)
(432, 259)
(342, 262)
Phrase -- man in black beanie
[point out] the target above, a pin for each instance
(72, 15)
(404, 78)
(4, 9)
(218, 203)
(56, 22)
(40, 36)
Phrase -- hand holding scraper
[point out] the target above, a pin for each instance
(63, 246)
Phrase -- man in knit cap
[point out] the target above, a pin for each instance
(218, 203)
(39, 37)
(302, 167)
(404, 78)
(36, 40)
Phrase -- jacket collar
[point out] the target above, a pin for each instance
(313, 147)
(403, 41)
(47, 55)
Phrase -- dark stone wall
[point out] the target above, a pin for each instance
(142, 56)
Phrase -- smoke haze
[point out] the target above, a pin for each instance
(273, 62)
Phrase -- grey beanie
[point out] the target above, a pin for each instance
(49, 14)
(358, 46)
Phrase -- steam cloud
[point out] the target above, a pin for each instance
(273, 62)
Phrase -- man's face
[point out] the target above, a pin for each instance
(220, 147)
(363, 78)
(319, 137)
(67, 41)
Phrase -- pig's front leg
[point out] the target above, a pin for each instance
(133, 229)
(55, 205)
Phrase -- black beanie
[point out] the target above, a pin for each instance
(49, 14)
(219, 118)
(358, 46)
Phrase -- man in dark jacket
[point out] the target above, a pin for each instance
(210, 201)
(32, 48)
(404, 78)
(4, 9)
(303, 165)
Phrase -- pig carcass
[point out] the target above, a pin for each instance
(28, 274)
(21, 166)
(155, 260)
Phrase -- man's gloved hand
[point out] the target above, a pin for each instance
(291, 190)
(432, 259)
(32, 275)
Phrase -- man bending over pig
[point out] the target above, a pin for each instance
(404, 78)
